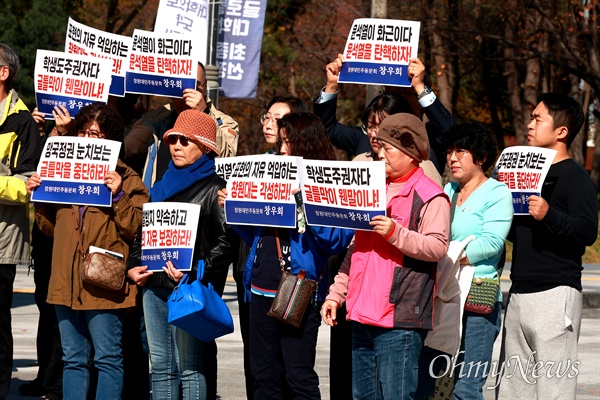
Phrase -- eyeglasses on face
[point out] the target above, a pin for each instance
(459, 153)
(266, 118)
(173, 138)
(90, 133)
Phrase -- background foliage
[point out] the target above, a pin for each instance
(488, 60)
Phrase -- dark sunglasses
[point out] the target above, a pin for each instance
(172, 139)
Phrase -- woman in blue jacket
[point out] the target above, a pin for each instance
(279, 351)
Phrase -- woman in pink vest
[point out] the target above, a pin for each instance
(387, 278)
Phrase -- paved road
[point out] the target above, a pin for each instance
(231, 376)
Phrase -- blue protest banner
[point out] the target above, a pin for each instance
(241, 25)
(61, 192)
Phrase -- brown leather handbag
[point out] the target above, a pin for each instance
(100, 269)
(293, 294)
(103, 270)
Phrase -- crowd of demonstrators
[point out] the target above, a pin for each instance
(90, 317)
(399, 258)
(387, 279)
(282, 357)
(481, 211)
(543, 315)
(190, 177)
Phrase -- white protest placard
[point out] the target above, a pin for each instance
(523, 169)
(259, 189)
(169, 234)
(343, 194)
(72, 170)
(161, 64)
(378, 51)
(189, 18)
(87, 41)
(70, 80)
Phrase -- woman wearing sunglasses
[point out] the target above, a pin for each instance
(176, 355)
(90, 318)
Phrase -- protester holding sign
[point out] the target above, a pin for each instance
(278, 350)
(189, 178)
(356, 140)
(480, 207)
(91, 318)
(543, 314)
(388, 276)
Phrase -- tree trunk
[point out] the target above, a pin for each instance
(512, 79)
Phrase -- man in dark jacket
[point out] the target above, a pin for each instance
(356, 140)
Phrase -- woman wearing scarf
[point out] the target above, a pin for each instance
(190, 178)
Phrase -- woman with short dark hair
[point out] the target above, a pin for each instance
(482, 207)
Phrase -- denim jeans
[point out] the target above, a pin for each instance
(174, 354)
(473, 363)
(385, 359)
(80, 333)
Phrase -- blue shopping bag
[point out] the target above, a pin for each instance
(198, 309)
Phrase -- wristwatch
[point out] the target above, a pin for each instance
(424, 93)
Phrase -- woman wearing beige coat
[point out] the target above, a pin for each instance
(91, 317)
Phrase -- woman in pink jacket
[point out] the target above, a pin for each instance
(387, 279)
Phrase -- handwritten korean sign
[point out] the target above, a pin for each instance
(260, 189)
(71, 80)
(72, 170)
(345, 194)
(160, 64)
(169, 234)
(86, 41)
(377, 51)
(523, 169)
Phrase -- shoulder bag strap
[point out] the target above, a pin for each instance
(78, 229)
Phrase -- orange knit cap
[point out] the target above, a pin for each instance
(198, 127)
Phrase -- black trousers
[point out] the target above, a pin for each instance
(7, 279)
(48, 345)
(280, 353)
